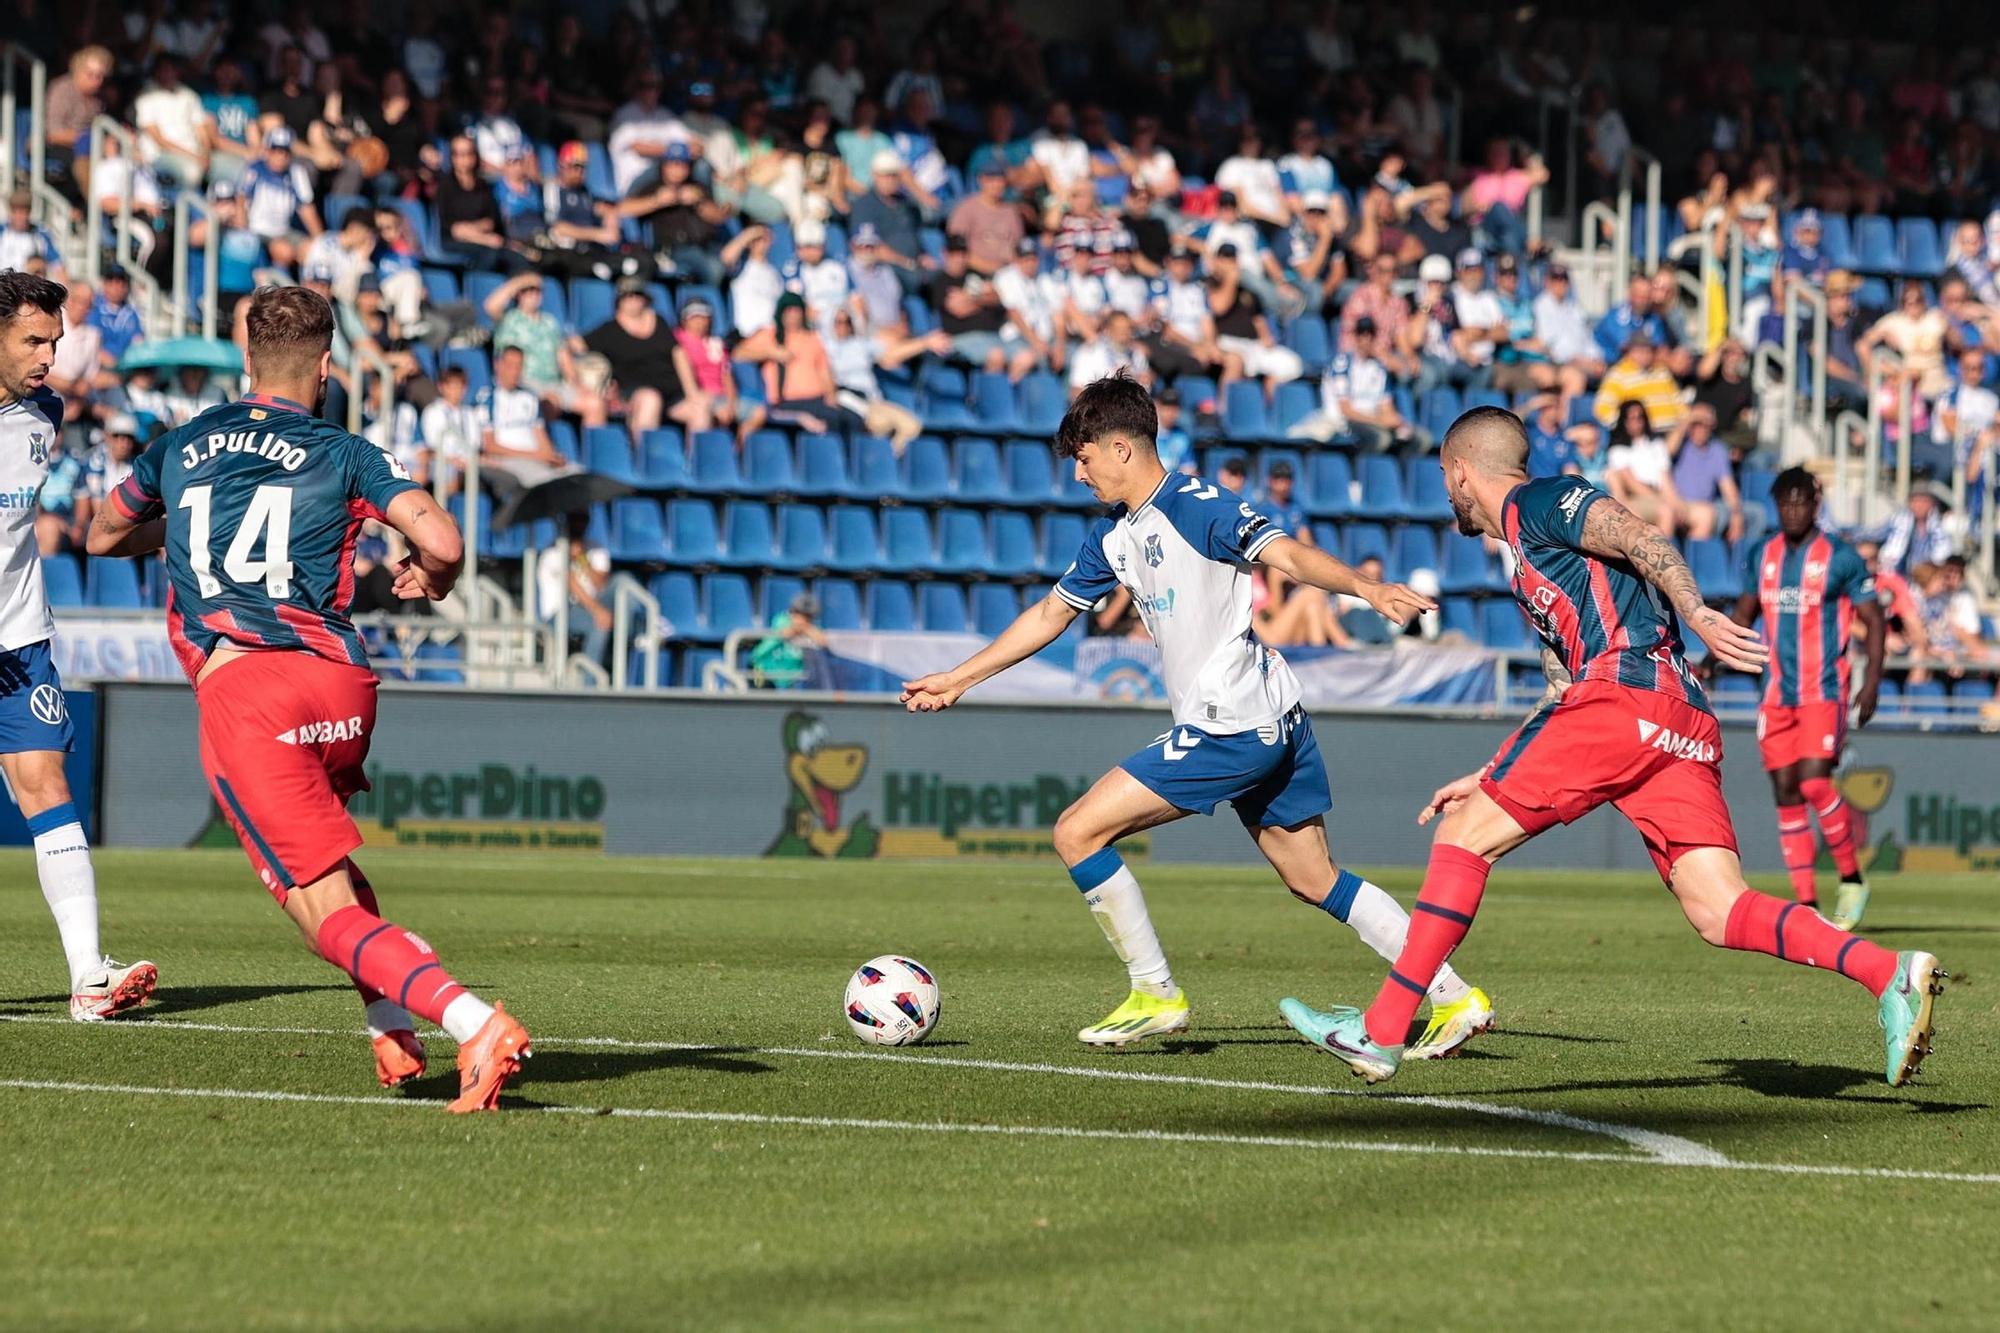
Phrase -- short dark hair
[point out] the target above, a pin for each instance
(358, 216)
(19, 289)
(1114, 405)
(288, 329)
(1794, 481)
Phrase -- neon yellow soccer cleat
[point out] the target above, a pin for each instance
(1140, 1017)
(1453, 1025)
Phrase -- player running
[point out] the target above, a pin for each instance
(258, 504)
(1623, 722)
(1811, 587)
(35, 730)
(1183, 548)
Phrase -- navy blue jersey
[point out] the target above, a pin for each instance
(263, 503)
(1600, 617)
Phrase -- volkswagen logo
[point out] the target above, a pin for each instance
(48, 705)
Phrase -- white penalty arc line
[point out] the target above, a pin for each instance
(1012, 1131)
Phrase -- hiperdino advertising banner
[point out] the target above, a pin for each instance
(772, 776)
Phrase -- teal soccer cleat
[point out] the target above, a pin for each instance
(1341, 1032)
(1906, 1013)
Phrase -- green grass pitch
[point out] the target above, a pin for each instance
(1660, 1135)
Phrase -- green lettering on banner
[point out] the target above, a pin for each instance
(589, 798)
(903, 799)
(496, 792)
(957, 809)
(398, 797)
(1925, 818)
(1051, 799)
(993, 805)
(431, 795)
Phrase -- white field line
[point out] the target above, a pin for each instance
(1666, 1147)
(1012, 1131)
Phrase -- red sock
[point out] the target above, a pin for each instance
(1834, 824)
(1795, 841)
(1453, 885)
(389, 959)
(1760, 923)
(364, 894)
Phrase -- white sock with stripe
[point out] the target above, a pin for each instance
(69, 885)
(1112, 894)
(1383, 925)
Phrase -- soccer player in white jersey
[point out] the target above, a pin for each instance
(1183, 548)
(35, 730)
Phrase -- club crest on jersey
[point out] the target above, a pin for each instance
(1154, 553)
(38, 448)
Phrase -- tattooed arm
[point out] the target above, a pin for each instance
(1613, 532)
(1559, 679)
(437, 552)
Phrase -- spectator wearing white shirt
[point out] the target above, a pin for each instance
(345, 255)
(853, 357)
(821, 281)
(451, 428)
(1307, 171)
(640, 132)
(1261, 272)
(171, 121)
(1033, 302)
(837, 81)
(1639, 469)
(76, 372)
(514, 444)
(1146, 162)
(496, 133)
(22, 242)
(1185, 343)
(1565, 333)
(1354, 400)
(1085, 297)
(277, 197)
(1965, 416)
(1917, 535)
(1113, 350)
(1059, 151)
(1255, 181)
(1129, 290)
(756, 284)
(1479, 314)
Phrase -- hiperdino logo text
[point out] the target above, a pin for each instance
(492, 805)
(927, 800)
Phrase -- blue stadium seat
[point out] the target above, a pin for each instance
(927, 469)
(943, 608)
(637, 530)
(1071, 493)
(1330, 486)
(1714, 572)
(942, 402)
(1441, 407)
(1459, 615)
(607, 451)
(961, 542)
(1484, 398)
(1429, 501)
(715, 470)
(1926, 699)
(920, 316)
(1837, 241)
(563, 436)
(440, 285)
(1917, 239)
(1364, 541)
(726, 604)
(877, 471)
(891, 606)
(666, 462)
(1012, 540)
(1196, 390)
(857, 546)
(980, 477)
(994, 607)
(1416, 548)
(1468, 568)
(1244, 418)
(61, 580)
(479, 286)
(993, 404)
(1295, 401)
(802, 540)
(680, 605)
(1501, 626)
(1382, 488)
(768, 469)
(1044, 400)
(472, 360)
(1062, 538)
(113, 582)
(775, 593)
(1308, 336)
(1755, 483)
(1875, 245)
(555, 300)
(747, 535)
(691, 534)
(823, 466)
(441, 664)
(591, 301)
(839, 604)
(749, 381)
(907, 546)
(1269, 458)
(1031, 472)
(692, 663)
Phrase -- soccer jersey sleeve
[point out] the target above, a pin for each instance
(137, 497)
(372, 474)
(1089, 576)
(1849, 577)
(1551, 512)
(1218, 524)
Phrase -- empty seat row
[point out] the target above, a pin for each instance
(708, 608)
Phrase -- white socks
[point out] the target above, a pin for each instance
(1113, 896)
(464, 1017)
(69, 884)
(1382, 924)
(387, 1016)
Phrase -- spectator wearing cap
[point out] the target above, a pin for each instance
(240, 251)
(1433, 334)
(23, 243)
(1186, 341)
(755, 283)
(878, 295)
(522, 212)
(1243, 332)
(1565, 334)
(583, 230)
(838, 80)
(1640, 376)
(1918, 534)
(889, 208)
(821, 281)
(1280, 503)
(173, 138)
(277, 197)
(1086, 298)
(114, 316)
(798, 377)
(641, 132)
(1802, 256)
(854, 355)
(1113, 350)
(1033, 301)
(684, 217)
(970, 314)
(1355, 401)
(793, 653)
(990, 226)
(1255, 181)
(1313, 257)
(521, 318)
(1481, 318)
(640, 349)
(702, 361)
(1057, 153)
(473, 229)
(1704, 478)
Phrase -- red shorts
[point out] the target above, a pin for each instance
(1657, 760)
(1807, 731)
(283, 739)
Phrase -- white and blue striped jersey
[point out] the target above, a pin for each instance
(28, 431)
(1185, 557)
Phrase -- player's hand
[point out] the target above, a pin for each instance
(1398, 603)
(1864, 704)
(1449, 797)
(413, 581)
(1734, 645)
(930, 694)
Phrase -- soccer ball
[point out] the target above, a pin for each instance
(892, 1001)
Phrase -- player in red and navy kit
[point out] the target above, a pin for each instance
(258, 504)
(1810, 587)
(1623, 723)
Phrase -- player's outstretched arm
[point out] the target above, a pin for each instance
(1309, 564)
(1033, 630)
(112, 532)
(437, 552)
(1613, 532)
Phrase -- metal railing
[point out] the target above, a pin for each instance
(186, 205)
(627, 596)
(1799, 292)
(144, 288)
(486, 650)
(17, 57)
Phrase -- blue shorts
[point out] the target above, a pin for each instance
(1272, 775)
(34, 714)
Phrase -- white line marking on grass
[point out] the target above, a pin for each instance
(1011, 1131)
(1667, 1148)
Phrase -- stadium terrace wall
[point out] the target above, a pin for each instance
(683, 774)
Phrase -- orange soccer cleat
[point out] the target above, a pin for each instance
(486, 1062)
(399, 1057)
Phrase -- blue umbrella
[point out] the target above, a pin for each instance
(212, 354)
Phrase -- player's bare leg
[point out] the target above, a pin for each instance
(399, 1056)
(1117, 806)
(396, 962)
(1299, 854)
(99, 987)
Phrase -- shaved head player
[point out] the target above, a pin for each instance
(1623, 722)
(258, 504)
